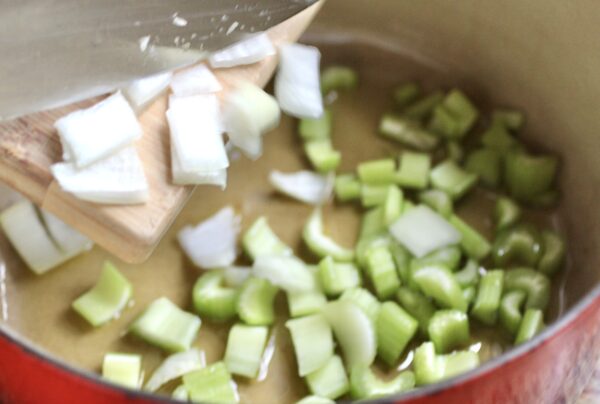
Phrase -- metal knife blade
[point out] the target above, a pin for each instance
(55, 52)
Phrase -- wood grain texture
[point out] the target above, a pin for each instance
(30, 145)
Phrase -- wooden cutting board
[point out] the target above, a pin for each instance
(30, 145)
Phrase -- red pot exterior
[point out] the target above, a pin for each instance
(552, 370)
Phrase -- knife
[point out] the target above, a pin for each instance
(55, 52)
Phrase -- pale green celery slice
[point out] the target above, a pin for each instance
(395, 329)
(175, 366)
(316, 128)
(335, 277)
(313, 342)
(473, 243)
(123, 369)
(167, 326)
(304, 303)
(245, 347)
(413, 171)
(320, 244)
(452, 179)
(180, 393)
(364, 300)
(392, 206)
(330, 380)
(431, 368)
(382, 271)
(288, 273)
(260, 240)
(212, 298)
(106, 299)
(235, 276)
(213, 384)
(338, 77)
(315, 400)
(365, 384)
(255, 304)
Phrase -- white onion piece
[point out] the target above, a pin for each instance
(90, 135)
(196, 133)
(245, 52)
(175, 366)
(194, 81)
(422, 231)
(69, 240)
(27, 234)
(289, 273)
(235, 276)
(212, 243)
(297, 85)
(142, 92)
(182, 177)
(248, 113)
(305, 186)
(119, 179)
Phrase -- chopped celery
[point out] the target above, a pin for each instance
(315, 400)
(392, 206)
(418, 306)
(335, 278)
(496, 137)
(365, 243)
(322, 156)
(444, 123)
(438, 283)
(213, 384)
(347, 187)
(535, 284)
(423, 107)
(407, 132)
(452, 179)
(509, 118)
(487, 165)
(382, 271)
(365, 384)
(316, 128)
(313, 342)
(377, 172)
(470, 293)
(448, 257)
(448, 330)
(287, 273)
(123, 369)
(527, 176)
(473, 243)
(167, 326)
(458, 362)
(180, 393)
(531, 325)
(454, 151)
(245, 346)
(255, 304)
(175, 366)
(106, 299)
(330, 380)
(405, 93)
(304, 303)
(259, 240)
(488, 298)
(510, 310)
(438, 201)
(235, 276)
(506, 213)
(430, 368)
(402, 260)
(354, 332)
(364, 300)
(517, 245)
(372, 195)
(335, 78)
(554, 253)
(413, 171)
(469, 275)
(319, 243)
(395, 328)
(372, 223)
(212, 298)
(455, 116)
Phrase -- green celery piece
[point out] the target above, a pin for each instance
(315, 400)
(212, 298)
(366, 243)
(167, 326)
(322, 156)
(468, 276)
(106, 299)
(407, 132)
(303, 303)
(448, 257)
(180, 393)
(455, 116)
(329, 381)
(319, 243)
(487, 165)
(212, 384)
(316, 128)
(392, 206)
(413, 171)
(431, 368)
(347, 187)
(260, 239)
(470, 293)
(372, 223)
(364, 300)
(448, 330)
(535, 284)
(438, 200)
(373, 195)
(473, 243)
(123, 369)
(531, 325)
(255, 303)
(510, 310)
(335, 278)
(377, 172)
(439, 283)
(444, 123)
(313, 342)
(395, 328)
(458, 362)
(521, 244)
(498, 138)
(489, 294)
(244, 351)
(365, 384)
(452, 179)
(506, 213)
(402, 259)
(554, 253)
(405, 93)
(418, 306)
(509, 118)
(382, 271)
(422, 108)
(455, 151)
(527, 176)
(335, 78)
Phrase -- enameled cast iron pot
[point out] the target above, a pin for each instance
(541, 55)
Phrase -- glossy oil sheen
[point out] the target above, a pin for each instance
(39, 307)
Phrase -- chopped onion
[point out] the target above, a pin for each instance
(212, 243)
(422, 231)
(196, 133)
(181, 177)
(289, 273)
(118, 180)
(235, 276)
(176, 366)
(194, 81)
(248, 113)
(142, 92)
(90, 135)
(69, 240)
(245, 52)
(297, 85)
(305, 186)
